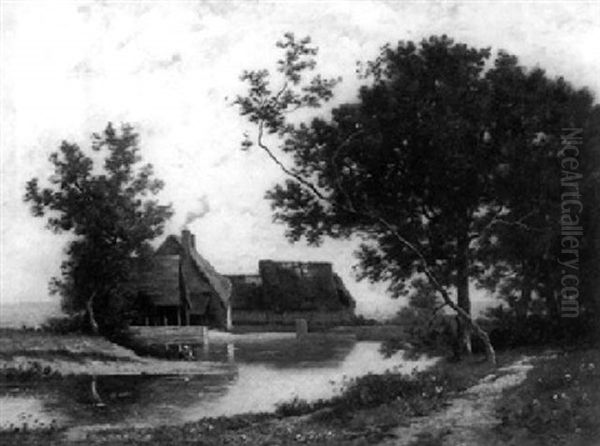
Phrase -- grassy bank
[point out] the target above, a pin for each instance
(14, 343)
(33, 354)
(29, 355)
(557, 404)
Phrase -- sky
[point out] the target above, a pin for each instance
(171, 68)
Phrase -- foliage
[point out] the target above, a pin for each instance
(361, 320)
(33, 370)
(426, 327)
(64, 325)
(559, 403)
(415, 394)
(508, 329)
(539, 191)
(112, 216)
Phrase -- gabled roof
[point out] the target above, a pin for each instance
(176, 245)
(221, 284)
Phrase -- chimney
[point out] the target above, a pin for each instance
(187, 240)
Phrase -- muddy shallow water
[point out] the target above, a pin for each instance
(262, 376)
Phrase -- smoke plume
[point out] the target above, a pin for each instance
(203, 209)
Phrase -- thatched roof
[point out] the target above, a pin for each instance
(220, 283)
(343, 294)
(291, 286)
(158, 279)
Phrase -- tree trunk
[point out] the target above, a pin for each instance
(90, 312)
(466, 319)
(95, 395)
(522, 305)
(548, 295)
(462, 292)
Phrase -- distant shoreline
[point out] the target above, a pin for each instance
(28, 313)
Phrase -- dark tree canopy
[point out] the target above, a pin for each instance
(446, 153)
(110, 210)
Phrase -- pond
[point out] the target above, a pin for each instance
(263, 375)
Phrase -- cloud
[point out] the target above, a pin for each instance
(164, 63)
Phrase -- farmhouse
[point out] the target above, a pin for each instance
(282, 292)
(179, 287)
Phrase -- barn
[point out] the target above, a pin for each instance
(282, 292)
(177, 286)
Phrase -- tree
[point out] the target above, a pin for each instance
(407, 167)
(416, 167)
(111, 212)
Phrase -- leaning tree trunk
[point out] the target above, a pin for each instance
(462, 291)
(90, 313)
(522, 305)
(463, 316)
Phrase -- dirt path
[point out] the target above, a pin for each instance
(469, 417)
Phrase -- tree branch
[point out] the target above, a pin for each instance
(282, 166)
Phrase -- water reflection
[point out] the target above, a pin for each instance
(265, 374)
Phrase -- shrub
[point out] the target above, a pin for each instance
(426, 327)
(33, 370)
(361, 320)
(507, 330)
(65, 324)
(417, 393)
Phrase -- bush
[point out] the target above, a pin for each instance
(507, 330)
(65, 324)
(416, 394)
(361, 320)
(426, 327)
(33, 370)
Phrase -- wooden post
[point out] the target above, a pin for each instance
(179, 317)
(164, 319)
(205, 342)
(230, 352)
(229, 319)
(301, 328)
